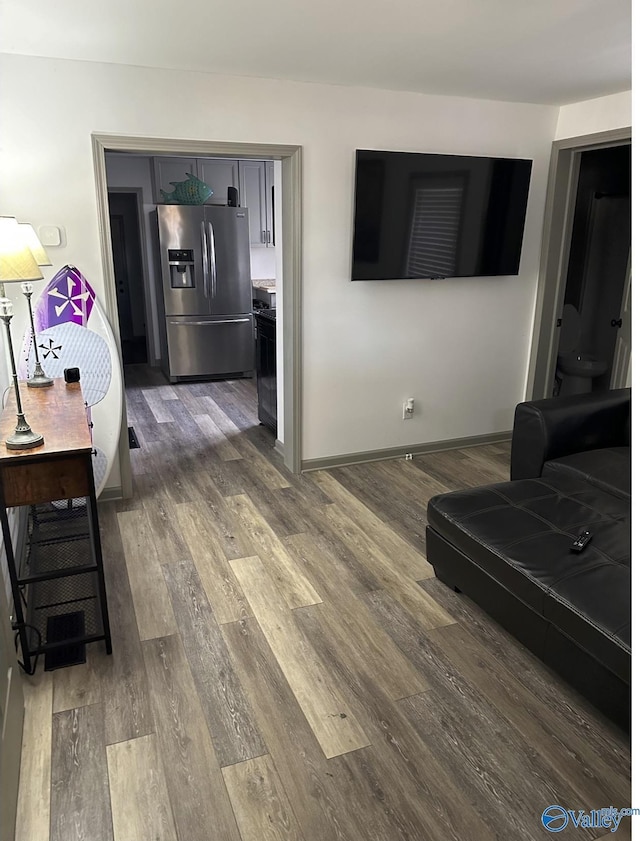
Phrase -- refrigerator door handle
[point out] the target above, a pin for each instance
(214, 271)
(210, 323)
(205, 259)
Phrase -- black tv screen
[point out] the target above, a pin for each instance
(435, 216)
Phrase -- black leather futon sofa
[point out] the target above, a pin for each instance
(508, 546)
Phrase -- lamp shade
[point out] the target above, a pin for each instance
(16, 260)
(32, 241)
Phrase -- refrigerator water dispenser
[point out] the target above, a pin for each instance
(181, 265)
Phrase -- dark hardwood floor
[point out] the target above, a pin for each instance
(285, 666)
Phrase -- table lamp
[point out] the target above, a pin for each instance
(16, 263)
(38, 379)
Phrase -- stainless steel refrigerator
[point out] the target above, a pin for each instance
(206, 314)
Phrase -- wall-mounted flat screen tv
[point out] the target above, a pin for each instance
(437, 216)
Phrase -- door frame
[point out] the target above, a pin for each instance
(145, 263)
(290, 307)
(564, 170)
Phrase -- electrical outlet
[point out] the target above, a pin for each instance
(407, 409)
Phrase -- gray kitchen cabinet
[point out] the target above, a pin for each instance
(256, 182)
(217, 173)
(167, 169)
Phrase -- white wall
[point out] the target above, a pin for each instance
(593, 115)
(459, 347)
(263, 263)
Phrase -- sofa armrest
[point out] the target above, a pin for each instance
(560, 426)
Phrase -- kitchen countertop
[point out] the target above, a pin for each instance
(264, 283)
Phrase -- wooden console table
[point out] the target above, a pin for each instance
(57, 582)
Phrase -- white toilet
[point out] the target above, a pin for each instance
(577, 369)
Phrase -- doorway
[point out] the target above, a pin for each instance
(585, 243)
(597, 269)
(290, 441)
(128, 269)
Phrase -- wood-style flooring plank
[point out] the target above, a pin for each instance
(572, 759)
(553, 693)
(292, 583)
(222, 447)
(429, 802)
(333, 801)
(171, 475)
(219, 476)
(408, 480)
(490, 763)
(141, 415)
(236, 407)
(166, 392)
(80, 803)
(264, 469)
(34, 791)
(284, 518)
(623, 832)
(321, 799)
(427, 612)
(405, 512)
(160, 411)
(356, 631)
(209, 558)
(154, 613)
(139, 795)
(197, 794)
(320, 698)
(331, 545)
(125, 694)
(289, 510)
(259, 801)
(328, 565)
(453, 469)
(229, 715)
(453, 660)
(493, 469)
(81, 685)
(167, 538)
(408, 560)
(228, 531)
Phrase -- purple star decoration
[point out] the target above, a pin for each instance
(69, 298)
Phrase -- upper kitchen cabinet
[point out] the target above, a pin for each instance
(217, 173)
(256, 193)
(166, 170)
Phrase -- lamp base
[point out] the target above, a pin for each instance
(39, 381)
(24, 439)
(39, 378)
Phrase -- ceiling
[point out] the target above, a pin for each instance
(544, 51)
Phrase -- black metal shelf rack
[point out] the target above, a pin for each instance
(59, 579)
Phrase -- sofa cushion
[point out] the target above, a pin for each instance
(520, 533)
(609, 468)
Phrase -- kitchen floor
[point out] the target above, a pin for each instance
(285, 665)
